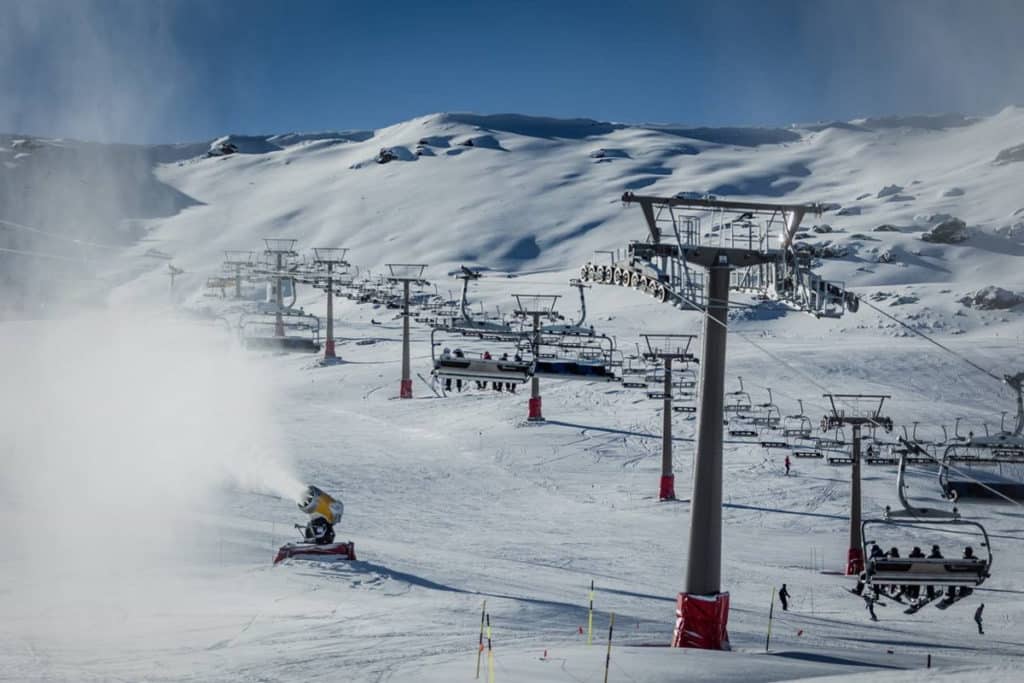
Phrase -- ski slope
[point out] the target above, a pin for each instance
(151, 465)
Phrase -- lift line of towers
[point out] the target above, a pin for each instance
(696, 251)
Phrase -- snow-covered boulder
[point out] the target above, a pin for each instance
(953, 192)
(993, 298)
(1012, 230)
(889, 191)
(950, 231)
(1010, 155)
(886, 227)
(933, 218)
(822, 229)
(849, 211)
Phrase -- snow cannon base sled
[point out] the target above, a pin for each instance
(324, 552)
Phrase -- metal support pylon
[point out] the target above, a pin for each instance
(406, 387)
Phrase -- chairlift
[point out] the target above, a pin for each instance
(474, 367)
(798, 425)
(918, 526)
(768, 414)
(299, 331)
(738, 401)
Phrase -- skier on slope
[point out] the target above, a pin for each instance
(324, 512)
(977, 618)
(784, 598)
(869, 603)
(787, 463)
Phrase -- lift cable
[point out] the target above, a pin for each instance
(824, 389)
(933, 341)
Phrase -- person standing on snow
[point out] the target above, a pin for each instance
(458, 381)
(784, 598)
(869, 603)
(977, 618)
(446, 355)
(787, 463)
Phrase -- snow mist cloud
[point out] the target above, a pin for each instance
(121, 433)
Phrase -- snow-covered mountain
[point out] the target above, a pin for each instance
(150, 466)
(523, 194)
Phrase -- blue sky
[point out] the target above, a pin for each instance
(160, 70)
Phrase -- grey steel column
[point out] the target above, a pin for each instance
(238, 282)
(666, 423)
(406, 376)
(329, 342)
(704, 562)
(278, 320)
(534, 381)
(855, 537)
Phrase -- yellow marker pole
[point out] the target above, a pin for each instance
(480, 642)
(771, 610)
(490, 653)
(590, 616)
(608, 657)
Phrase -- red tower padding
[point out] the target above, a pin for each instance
(329, 348)
(667, 490)
(701, 621)
(406, 390)
(854, 561)
(535, 413)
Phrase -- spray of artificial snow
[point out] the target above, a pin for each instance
(123, 429)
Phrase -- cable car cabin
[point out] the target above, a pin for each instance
(509, 371)
(927, 571)
(584, 370)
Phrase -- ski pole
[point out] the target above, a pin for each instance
(771, 611)
(608, 657)
(590, 616)
(480, 642)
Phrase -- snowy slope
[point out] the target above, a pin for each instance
(150, 464)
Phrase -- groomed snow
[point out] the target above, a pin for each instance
(150, 463)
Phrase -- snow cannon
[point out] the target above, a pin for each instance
(318, 505)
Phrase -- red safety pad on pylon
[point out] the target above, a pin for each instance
(667, 490)
(701, 621)
(534, 407)
(405, 391)
(854, 561)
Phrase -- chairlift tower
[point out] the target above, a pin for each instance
(850, 413)
(173, 272)
(406, 273)
(696, 251)
(535, 307)
(328, 258)
(238, 261)
(279, 249)
(668, 348)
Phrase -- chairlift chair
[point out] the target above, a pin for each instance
(920, 523)
(738, 401)
(799, 425)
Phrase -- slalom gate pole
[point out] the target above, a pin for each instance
(490, 653)
(480, 642)
(771, 611)
(590, 616)
(608, 657)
